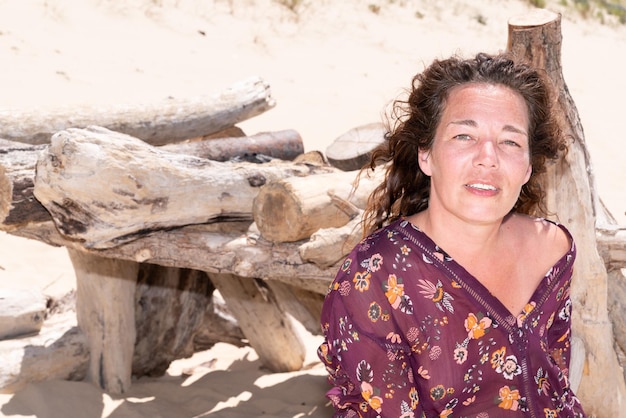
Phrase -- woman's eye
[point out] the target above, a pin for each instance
(511, 143)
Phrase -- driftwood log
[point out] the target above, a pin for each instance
(283, 145)
(571, 194)
(105, 188)
(173, 120)
(307, 204)
(352, 150)
(59, 351)
(17, 176)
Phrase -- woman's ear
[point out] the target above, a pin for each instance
(528, 173)
(423, 159)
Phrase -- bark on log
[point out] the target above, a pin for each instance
(307, 204)
(17, 173)
(572, 196)
(284, 145)
(105, 188)
(173, 120)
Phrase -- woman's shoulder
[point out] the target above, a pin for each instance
(546, 237)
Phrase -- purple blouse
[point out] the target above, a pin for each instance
(410, 333)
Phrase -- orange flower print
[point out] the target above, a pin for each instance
(550, 413)
(497, 358)
(437, 392)
(394, 291)
(414, 397)
(361, 281)
(367, 391)
(475, 327)
(374, 312)
(509, 399)
(527, 310)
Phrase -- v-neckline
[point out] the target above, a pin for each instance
(483, 297)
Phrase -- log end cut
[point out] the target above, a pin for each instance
(278, 214)
(353, 149)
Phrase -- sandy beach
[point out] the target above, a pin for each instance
(331, 66)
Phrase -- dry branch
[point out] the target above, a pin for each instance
(172, 120)
(284, 145)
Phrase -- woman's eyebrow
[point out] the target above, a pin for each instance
(474, 124)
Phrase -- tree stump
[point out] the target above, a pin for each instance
(571, 195)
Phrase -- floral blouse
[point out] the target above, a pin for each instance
(410, 333)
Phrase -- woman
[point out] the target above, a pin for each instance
(457, 304)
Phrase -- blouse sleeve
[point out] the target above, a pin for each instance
(559, 333)
(367, 362)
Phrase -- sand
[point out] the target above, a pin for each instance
(331, 66)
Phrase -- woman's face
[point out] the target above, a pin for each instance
(480, 157)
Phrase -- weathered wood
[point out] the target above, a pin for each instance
(170, 305)
(352, 150)
(287, 299)
(105, 188)
(105, 310)
(612, 246)
(22, 311)
(199, 247)
(17, 169)
(219, 326)
(284, 145)
(171, 120)
(616, 308)
(60, 351)
(327, 246)
(572, 197)
(267, 326)
(306, 204)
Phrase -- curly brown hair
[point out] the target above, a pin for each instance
(414, 121)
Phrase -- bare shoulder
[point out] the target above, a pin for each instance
(545, 238)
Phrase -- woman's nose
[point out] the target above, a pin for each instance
(487, 154)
